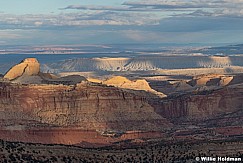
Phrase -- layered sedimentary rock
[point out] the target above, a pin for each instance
(201, 105)
(99, 107)
(85, 105)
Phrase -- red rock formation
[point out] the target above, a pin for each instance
(202, 105)
(93, 106)
(85, 106)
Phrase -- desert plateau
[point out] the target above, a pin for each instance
(121, 81)
(111, 114)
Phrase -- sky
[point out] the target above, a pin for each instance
(53, 22)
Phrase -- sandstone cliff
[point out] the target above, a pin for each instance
(98, 107)
(85, 105)
(200, 105)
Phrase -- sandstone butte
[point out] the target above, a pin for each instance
(84, 105)
(123, 82)
(97, 107)
(29, 66)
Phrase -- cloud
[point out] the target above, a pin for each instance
(164, 4)
(99, 8)
(152, 21)
(167, 8)
(217, 7)
(75, 20)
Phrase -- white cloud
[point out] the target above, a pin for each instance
(134, 21)
(217, 7)
(8, 21)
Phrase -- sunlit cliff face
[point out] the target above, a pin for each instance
(29, 66)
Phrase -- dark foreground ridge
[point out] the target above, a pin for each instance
(153, 152)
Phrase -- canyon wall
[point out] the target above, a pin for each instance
(85, 106)
(202, 104)
(99, 107)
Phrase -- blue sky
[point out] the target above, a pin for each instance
(49, 22)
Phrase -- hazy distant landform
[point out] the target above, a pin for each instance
(136, 108)
(78, 58)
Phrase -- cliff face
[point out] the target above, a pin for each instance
(98, 107)
(202, 105)
(86, 106)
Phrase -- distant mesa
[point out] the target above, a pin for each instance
(29, 67)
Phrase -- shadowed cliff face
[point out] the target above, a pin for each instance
(201, 105)
(98, 107)
(84, 105)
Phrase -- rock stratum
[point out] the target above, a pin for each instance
(73, 110)
(84, 105)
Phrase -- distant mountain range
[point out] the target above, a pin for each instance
(124, 49)
(223, 50)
